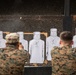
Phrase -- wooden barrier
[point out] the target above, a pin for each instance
(29, 33)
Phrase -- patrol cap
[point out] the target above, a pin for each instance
(12, 38)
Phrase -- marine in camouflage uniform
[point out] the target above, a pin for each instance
(63, 60)
(12, 59)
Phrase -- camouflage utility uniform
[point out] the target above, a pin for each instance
(63, 60)
(12, 61)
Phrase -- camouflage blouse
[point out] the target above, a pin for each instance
(63, 60)
(12, 61)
